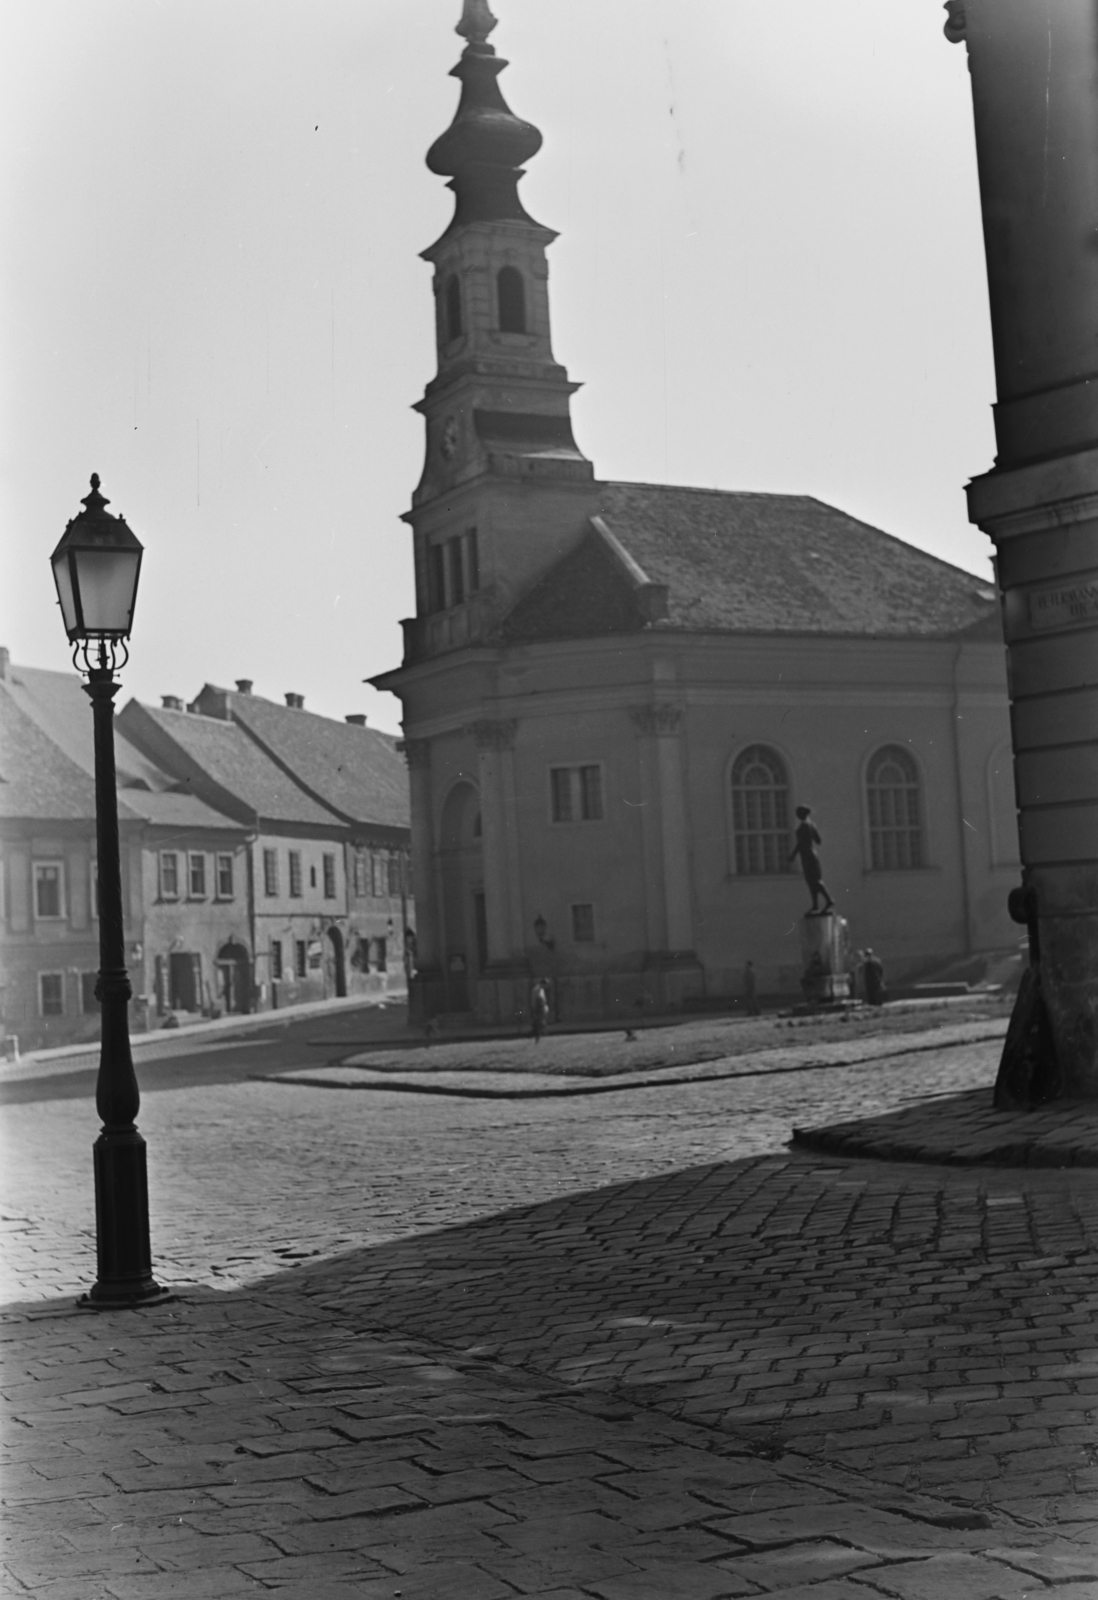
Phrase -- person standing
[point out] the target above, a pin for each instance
(539, 1009)
(873, 972)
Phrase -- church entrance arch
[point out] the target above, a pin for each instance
(234, 977)
(462, 873)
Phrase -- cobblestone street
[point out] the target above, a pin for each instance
(627, 1347)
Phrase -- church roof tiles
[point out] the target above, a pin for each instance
(753, 563)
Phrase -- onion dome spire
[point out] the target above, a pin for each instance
(483, 149)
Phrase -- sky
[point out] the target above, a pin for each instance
(769, 277)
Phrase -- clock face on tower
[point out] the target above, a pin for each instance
(449, 442)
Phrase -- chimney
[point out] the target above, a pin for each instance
(171, 702)
(296, 702)
(5, 659)
(244, 685)
(357, 719)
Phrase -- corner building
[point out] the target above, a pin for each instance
(615, 694)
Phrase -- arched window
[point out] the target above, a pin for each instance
(453, 307)
(512, 301)
(760, 811)
(895, 810)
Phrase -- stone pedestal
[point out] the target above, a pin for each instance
(825, 958)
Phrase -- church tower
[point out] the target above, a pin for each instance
(504, 489)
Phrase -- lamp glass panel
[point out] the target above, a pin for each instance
(108, 583)
(62, 577)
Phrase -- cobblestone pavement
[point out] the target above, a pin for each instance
(685, 1363)
(247, 1177)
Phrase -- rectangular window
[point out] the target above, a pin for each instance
(196, 877)
(169, 875)
(472, 561)
(375, 874)
(457, 571)
(576, 793)
(48, 900)
(88, 1002)
(51, 994)
(295, 874)
(270, 873)
(583, 924)
(382, 955)
(224, 877)
(436, 577)
(359, 867)
(301, 956)
(329, 877)
(276, 960)
(394, 874)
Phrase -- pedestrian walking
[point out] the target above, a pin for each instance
(750, 1000)
(873, 973)
(539, 1009)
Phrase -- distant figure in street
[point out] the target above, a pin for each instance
(874, 974)
(539, 1009)
(808, 838)
(751, 1004)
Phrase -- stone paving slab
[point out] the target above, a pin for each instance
(966, 1129)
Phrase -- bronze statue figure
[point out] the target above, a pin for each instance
(808, 838)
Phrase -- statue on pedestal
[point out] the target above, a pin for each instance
(808, 837)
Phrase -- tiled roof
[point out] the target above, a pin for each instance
(56, 703)
(776, 563)
(229, 757)
(37, 779)
(355, 770)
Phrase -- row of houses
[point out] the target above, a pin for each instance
(265, 856)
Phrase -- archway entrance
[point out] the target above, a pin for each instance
(234, 977)
(462, 870)
(335, 970)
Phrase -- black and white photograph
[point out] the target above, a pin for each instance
(549, 799)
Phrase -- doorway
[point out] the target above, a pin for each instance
(234, 977)
(335, 971)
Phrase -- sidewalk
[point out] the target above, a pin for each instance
(826, 1377)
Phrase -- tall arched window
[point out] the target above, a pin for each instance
(453, 307)
(895, 810)
(760, 811)
(512, 301)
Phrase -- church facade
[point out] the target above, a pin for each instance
(616, 694)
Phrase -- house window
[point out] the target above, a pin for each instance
(169, 875)
(276, 960)
(895, 811)
(270, 873)
(225, 877)
(576, 793)
(583, 923)
(394, 874)
(512, 301)
(382, 954)
(375, 874)
(329, 877)
(48, 900)
(760, 811)
(88, 1001)
(361, 870)
(196, 877)
(453, 307)
(312, 877)
(51, 994)
(301, 958)
(295, 874)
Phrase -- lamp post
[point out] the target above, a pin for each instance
(95, 567)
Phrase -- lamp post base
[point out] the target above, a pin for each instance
(124, 1276)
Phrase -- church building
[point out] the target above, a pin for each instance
(615, 695)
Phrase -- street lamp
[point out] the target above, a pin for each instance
(96, 567)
